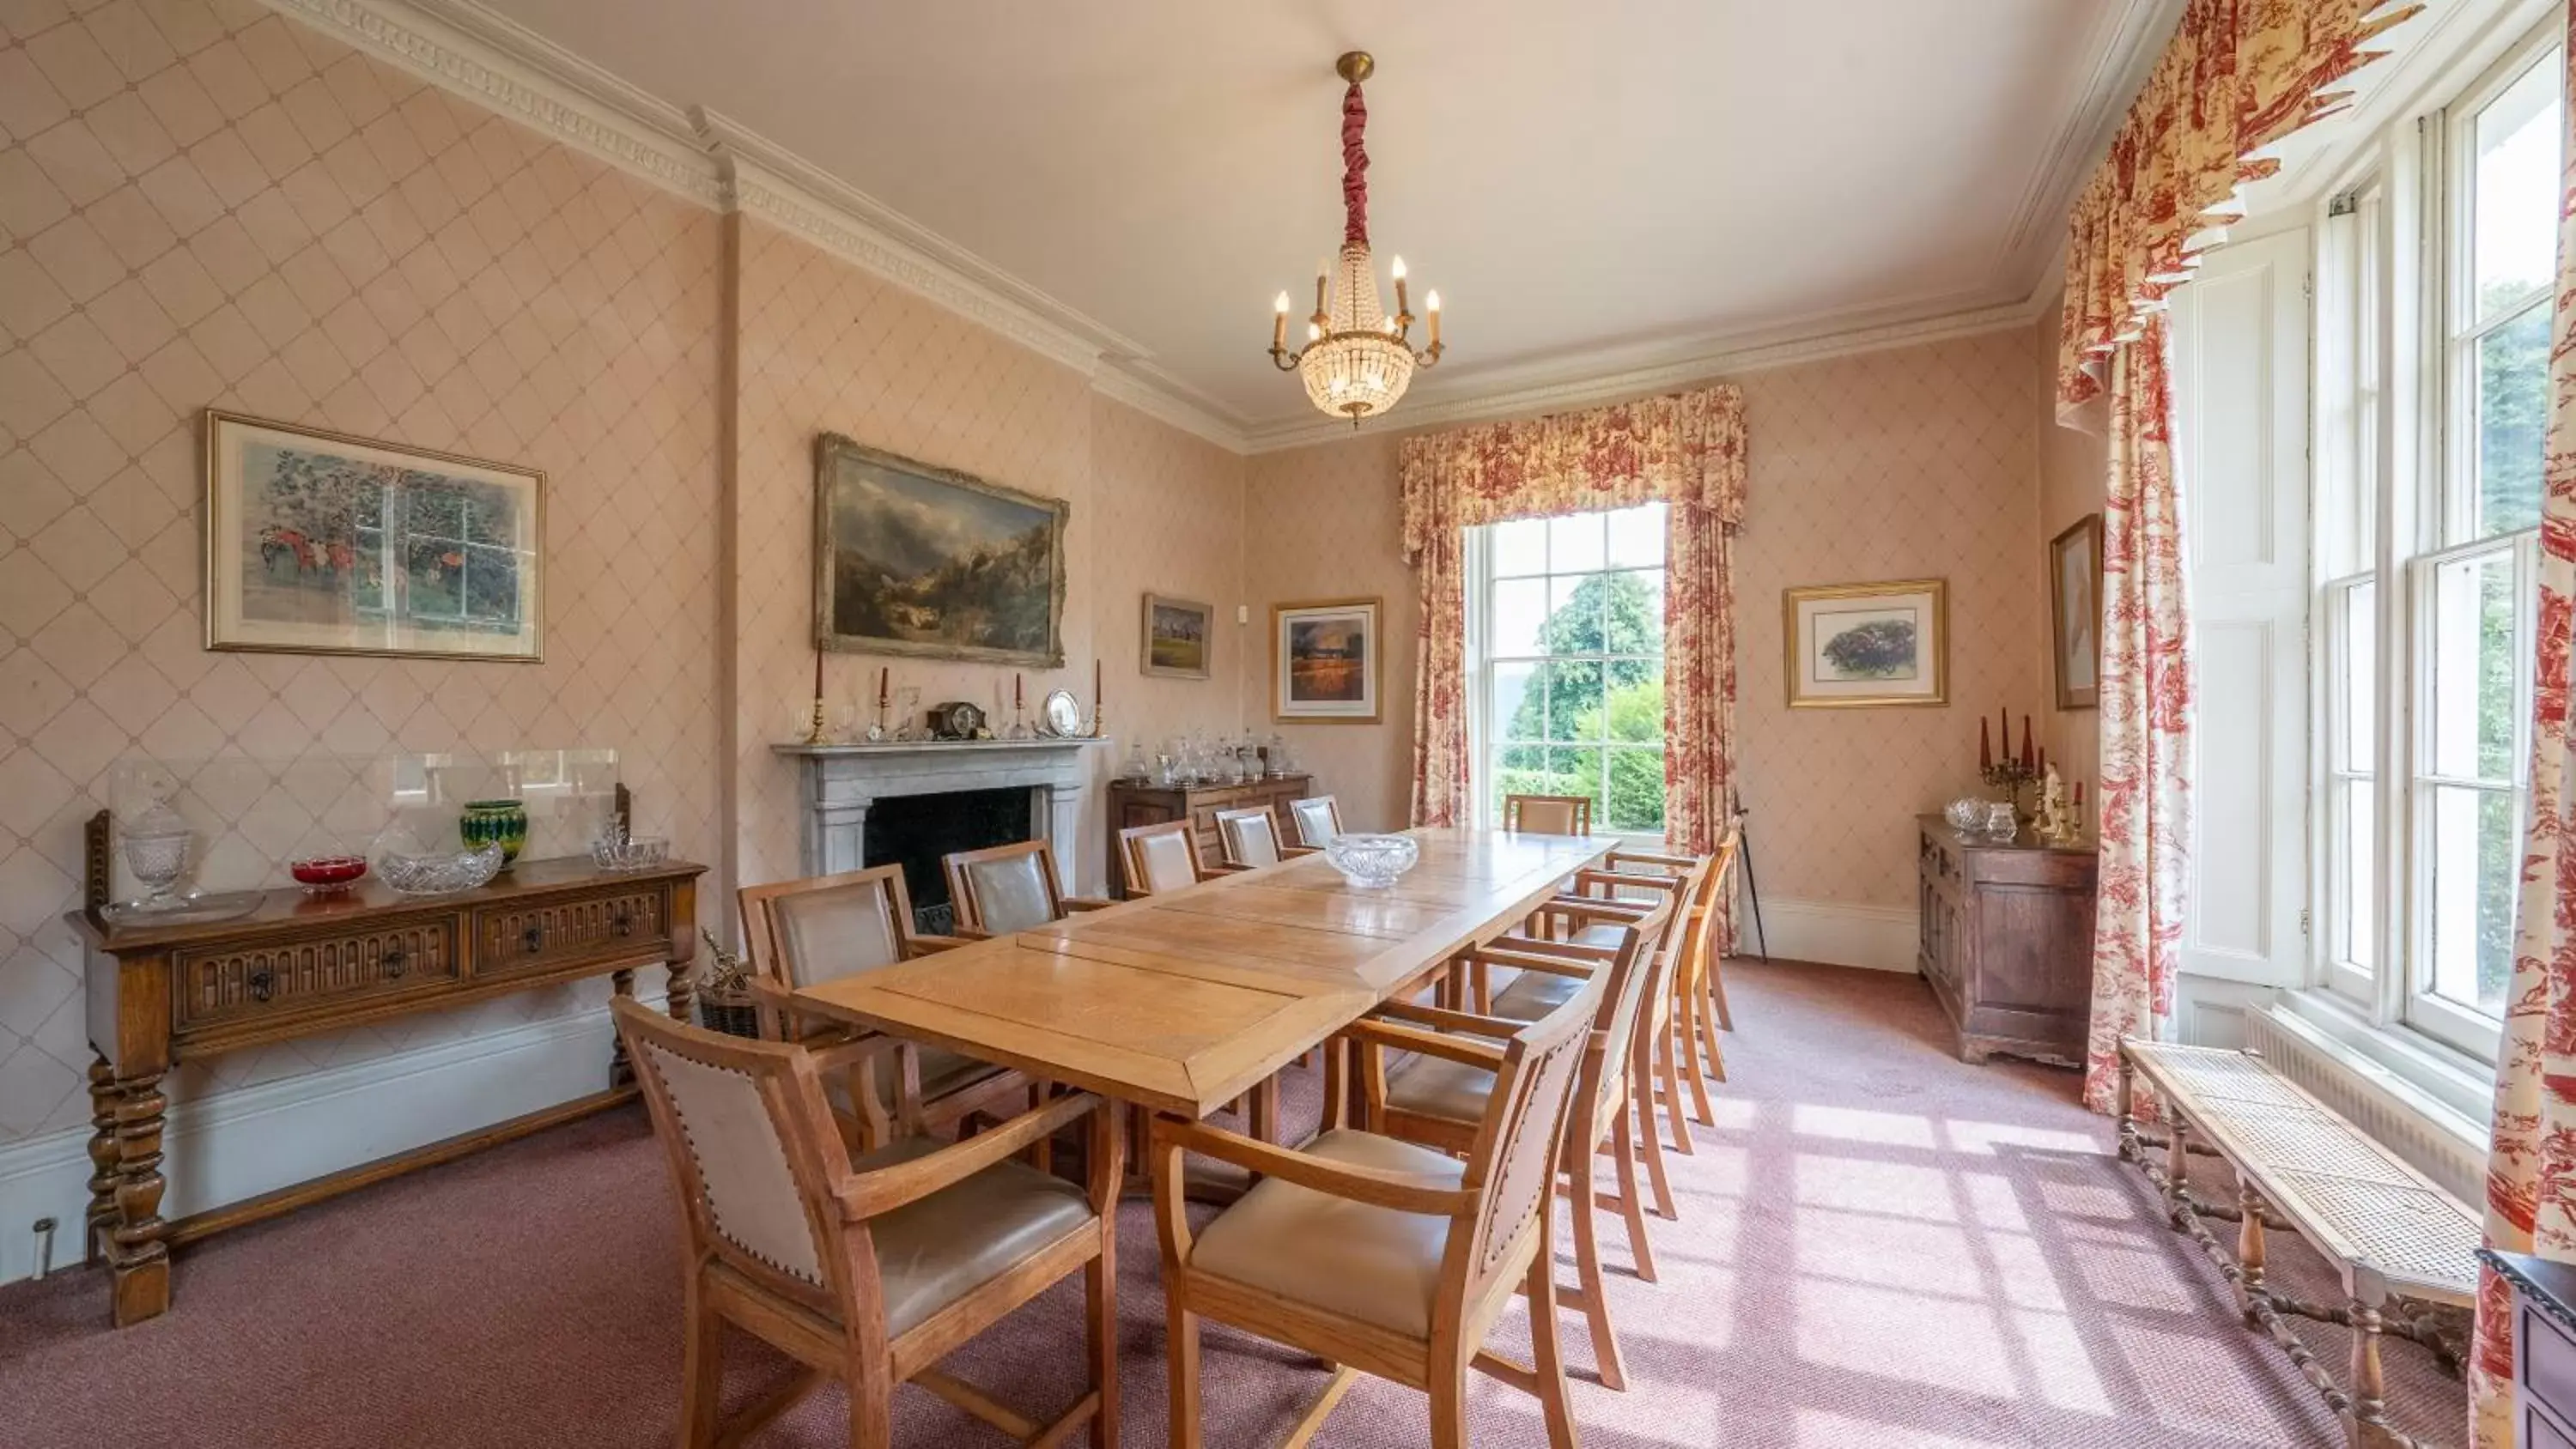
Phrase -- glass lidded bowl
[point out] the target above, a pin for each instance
(1371, 861)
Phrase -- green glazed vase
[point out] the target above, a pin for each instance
(485, 821)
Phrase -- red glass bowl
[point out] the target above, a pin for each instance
(323, 873)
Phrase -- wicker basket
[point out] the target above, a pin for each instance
(733, 1018)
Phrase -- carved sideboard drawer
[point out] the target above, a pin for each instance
(540, 935)
(317, 972)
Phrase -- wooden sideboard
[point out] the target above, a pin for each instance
(1131, 804)
(2544, 1348)
(2007, 941)
(303, 965)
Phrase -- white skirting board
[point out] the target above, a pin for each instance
(242, 1143)
(1835, 933)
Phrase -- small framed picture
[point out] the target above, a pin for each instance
(2075, 612)
(321, 543)
(1176, 637)
(1854, 645)
(1324, 661)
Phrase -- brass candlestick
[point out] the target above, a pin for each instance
(2009, 776)
(817, 735)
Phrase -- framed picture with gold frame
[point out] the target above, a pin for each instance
(1178, 636)
(325, 543)
(1850, 646)
(2075, 613)
(1325, 661)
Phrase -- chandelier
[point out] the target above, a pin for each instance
(1357, 360)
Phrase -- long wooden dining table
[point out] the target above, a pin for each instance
(1184, 1001)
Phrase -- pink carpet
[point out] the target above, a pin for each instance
(1878, 1247)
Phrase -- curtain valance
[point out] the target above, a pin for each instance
(2238, 76)
(1682, 448)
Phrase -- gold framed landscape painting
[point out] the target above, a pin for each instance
(323, 543)
(1324, 661)
(1177, 637)
(1856, 645)
(930, 563)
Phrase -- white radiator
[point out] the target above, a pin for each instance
(2438, 1141)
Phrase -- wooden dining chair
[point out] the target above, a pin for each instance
(1162, 857)
(1382, 1256)
(1548, 814)
(1318, 819)
(802, 933)
(869, 1270)
(1251, 837)
(1007, 888)
(1439, 1101)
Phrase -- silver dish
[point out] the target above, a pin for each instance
(1059, 715)
(1372, 861)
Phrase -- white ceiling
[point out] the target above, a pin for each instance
(1593, 188)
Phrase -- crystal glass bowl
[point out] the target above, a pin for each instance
(440, 872)
(1372, 860)
(639, 852)
(323, 875)
(1967, 814)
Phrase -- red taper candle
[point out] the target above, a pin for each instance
(1985, 745)
(2026, 762)
(2079, 792)
(885, 680)
(1015, 691)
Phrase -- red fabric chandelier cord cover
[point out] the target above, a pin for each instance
(1354, 168)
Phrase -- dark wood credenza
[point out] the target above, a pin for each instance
(1132, 804)
(2544, 1348)
(302, 965)
(2007, 941)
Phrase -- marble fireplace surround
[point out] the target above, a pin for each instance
(837, 784)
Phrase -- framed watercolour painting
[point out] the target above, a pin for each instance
(932, 563)
(1176, 637)
(1324, 661)
(322, 543)
(1850, 645)
(2075, 612)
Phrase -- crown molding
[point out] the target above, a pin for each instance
(1156, 397)
(2138, 30)
(512, 70)
(1719, 358)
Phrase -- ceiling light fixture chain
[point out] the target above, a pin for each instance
(1357, 360)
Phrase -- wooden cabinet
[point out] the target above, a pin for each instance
(2007, 941)
(2544, 1347)
(1132, 804)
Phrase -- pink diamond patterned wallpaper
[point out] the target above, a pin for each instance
(1913, 462)
(205, 204)
(2074, 464)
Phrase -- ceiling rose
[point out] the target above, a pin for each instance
(1357, 360)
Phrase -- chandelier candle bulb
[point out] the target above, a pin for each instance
(1403, 309)
(1279, 325)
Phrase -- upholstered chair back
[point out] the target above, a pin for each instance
(1548, 814)
(1317, 818)
(1005, 889)
(752, 1148)
(1513, 1162)
(1251, 836)
(804, 932)
(1159, 857)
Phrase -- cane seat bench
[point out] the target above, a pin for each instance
(2406, 1250)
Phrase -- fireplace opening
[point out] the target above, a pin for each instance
(914, 831)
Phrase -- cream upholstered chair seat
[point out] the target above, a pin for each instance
(1436, 1087)
(1531, 995)
(935, 1250)
(1374, 1264)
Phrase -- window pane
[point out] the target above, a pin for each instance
(2474, 855)
(2516, 191)
(1636, 612)
(2358, 636)
(1519, 706)
(1637, 537)
(1574, 700)
(1636, 700)
(2513, 388)
(1573, 616)
(1520, 608)
(2472, 668)
(1636, 790)
(1520, 547)
(1575, 543)
(1578, 772)
(2357, 933)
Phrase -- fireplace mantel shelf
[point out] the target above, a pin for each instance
(930, 747)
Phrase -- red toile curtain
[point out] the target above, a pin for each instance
(2237, 76)
(1686, 449)
(2531, 1172)
(2146, 815)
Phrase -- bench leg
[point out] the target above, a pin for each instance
(2129, 1149)
(2367, 1425)
(2177, 1171)
(2249, 1254)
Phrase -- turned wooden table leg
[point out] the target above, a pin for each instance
(684, 950)
(2368, 1426)
(139, 1251)
(103, 1093)
(2249, 1253)
(620, 1071)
